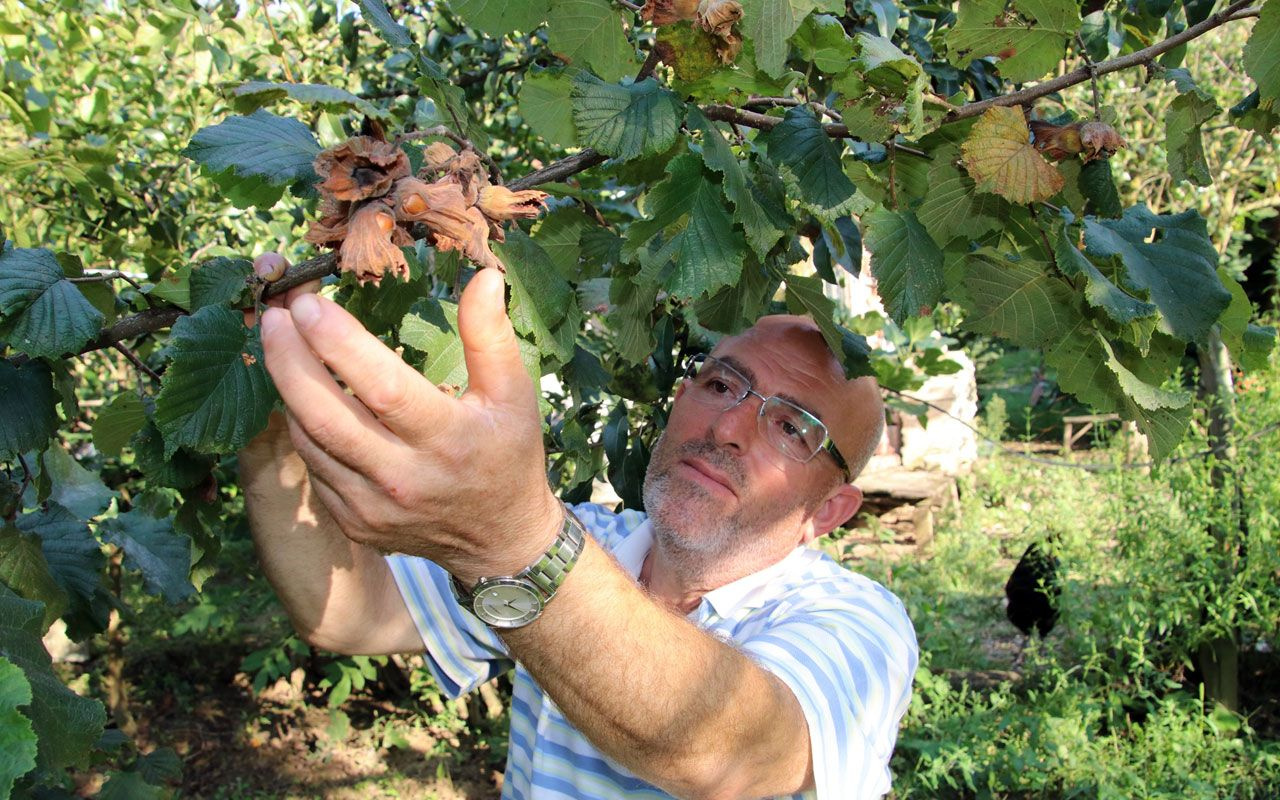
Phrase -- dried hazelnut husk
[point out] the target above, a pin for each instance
(500, 203)
(1099, 140)
(436, 157)
(472, 241)
(468, 171)
(439, 205)
(665, 12)
(368, 250)
(718, 16)
(360, 168)
(1055, 141)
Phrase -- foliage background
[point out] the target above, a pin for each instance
(123, 520)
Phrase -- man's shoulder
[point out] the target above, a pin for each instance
(816, 581)
(606, 526)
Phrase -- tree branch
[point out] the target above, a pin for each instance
(1082, 74)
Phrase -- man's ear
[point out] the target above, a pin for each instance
(838, 508)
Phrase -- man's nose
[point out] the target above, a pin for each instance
(734, 426)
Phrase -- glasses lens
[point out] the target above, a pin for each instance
(791, 429)
(714, 384)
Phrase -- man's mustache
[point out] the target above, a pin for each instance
(715, 456)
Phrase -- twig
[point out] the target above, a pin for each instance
(1093, 76)
(26, 475)
(284, 59)
(790, 102)
(136, 362)
(1081, 74)
(580, 161)
(649, 65)
(464, 143)
(630, 5)
(751, 119)
(893, 176)
(104, 276)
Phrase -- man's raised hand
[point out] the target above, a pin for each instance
(402, 466)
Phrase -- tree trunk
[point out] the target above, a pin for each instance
(1220, 657)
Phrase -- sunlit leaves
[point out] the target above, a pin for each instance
(1029, 36)
(218, 281)
(1001, 159)
(500, 17)
(625, 121)
(1262, 53)
(809, 163)
(1169, 256)
(254, 157)
(251, 96)
(41, 312)
(216, 393)
(768, 24)
(27, 414)
(543, 98)
(65, 723)
(906, 262)
(17, 739)
(588, 34)
(1188, 111)
(699, 249)
(762, 232)
(431, 328)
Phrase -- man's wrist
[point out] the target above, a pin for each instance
(516, 552)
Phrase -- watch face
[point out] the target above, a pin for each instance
(507, 603)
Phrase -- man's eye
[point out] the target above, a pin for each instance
(718, 386)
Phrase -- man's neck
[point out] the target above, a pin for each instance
(679, 582)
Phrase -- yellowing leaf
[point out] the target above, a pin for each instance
(1001, 159)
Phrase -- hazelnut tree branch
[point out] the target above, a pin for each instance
(326, 264)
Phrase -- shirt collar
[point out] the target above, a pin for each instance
(743, 594)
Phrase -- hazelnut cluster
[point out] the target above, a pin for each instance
(716, 17)
(370, 200)
(1090, 140)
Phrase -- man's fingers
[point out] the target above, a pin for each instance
(494, 368)
(335, 421)
(401, 398)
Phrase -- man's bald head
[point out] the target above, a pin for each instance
(851, 409)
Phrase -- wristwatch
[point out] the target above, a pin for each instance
(516, 600)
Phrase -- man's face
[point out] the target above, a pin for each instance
(717, 491)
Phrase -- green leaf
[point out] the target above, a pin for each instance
(17, 737)
(762, 233)
(543, 98)
(28, 417)
(1030, 38)
(1262, 53)
(905, 261)
(769, 24)
(155, 549)
(431, 328)
(631, 319)
(625, 121)
(1019, 300)
(74, 558)
(804, 296)
(44, 314)
(1250, 344)
(24, 570)
(588, 33)
(180, 470)
(117, 422)
(809, 163)
(953, 206)
(499, 17)
(74, 487)
(1100, 292)
(822, 40)
(251, 96)
(216, 394)
(174, 287)
(395, 34)
(66, 725)
(559, 234)
(128, 786)
(540, 299)
(219, 281)
(1146, 396)
(246, 153)
(1188, 111)
(1178, 268)
(738, 305)
(1102, 199)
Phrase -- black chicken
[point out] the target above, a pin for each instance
(1033, 590)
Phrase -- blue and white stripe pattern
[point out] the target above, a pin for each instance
(840, 641)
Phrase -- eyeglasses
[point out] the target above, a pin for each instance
(793, 431)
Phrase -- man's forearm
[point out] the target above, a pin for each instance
(660, 696)
(339, 594)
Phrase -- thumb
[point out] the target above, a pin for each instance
(494, 368)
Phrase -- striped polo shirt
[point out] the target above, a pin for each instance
(840, 641)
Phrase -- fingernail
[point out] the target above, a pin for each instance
(305, 310)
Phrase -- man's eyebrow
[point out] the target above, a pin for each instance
(751, 376)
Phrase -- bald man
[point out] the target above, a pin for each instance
(700, 651)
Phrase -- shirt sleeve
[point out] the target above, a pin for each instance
(849, 658)
(462, 652)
